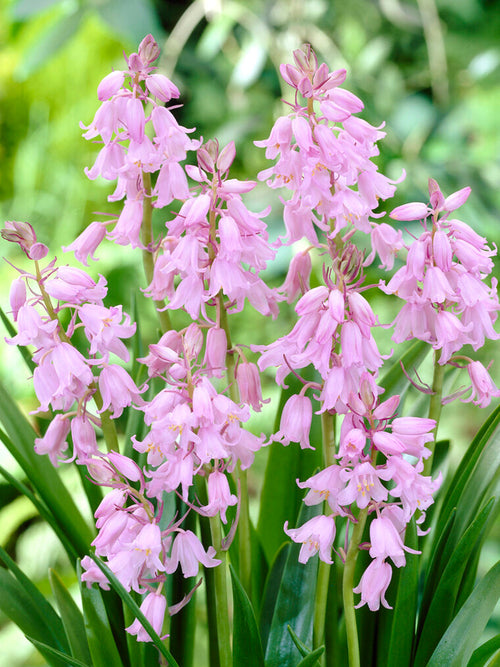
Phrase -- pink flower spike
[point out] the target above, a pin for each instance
(374, 584)
(153, 608)
(412, 211)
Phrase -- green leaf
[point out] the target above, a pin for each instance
(271, 590)
(72, 619)
(26, 612)
(312, 659)
(457, 644)
(443, 598)
(101, 643)
(302, 648)
(294, 604)
(48, 652)
(44, 608)
(280, 491)
(484, 652)
(478, 468)
(247, 649)
(396, 630)
(49, 43)
(42, 475)
(131, 604)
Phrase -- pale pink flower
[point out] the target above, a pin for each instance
(219, 496)
(153, 607)
(118, 390)
(316, 535)
(483, 387)
(363, 485)
(374, 584)
(54, 441)
(85, 245)
(295, 422)
(248, 379)
(386, 541)
(188, 551)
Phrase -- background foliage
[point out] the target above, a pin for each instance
(429, 68)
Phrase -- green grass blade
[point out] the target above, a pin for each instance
(271, 590)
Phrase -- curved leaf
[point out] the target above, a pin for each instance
(294, 604)
(443, 600)
(486, 651)
(49, 652)
(457, 644)
(247, 649)
(72, 619)
(270, 594)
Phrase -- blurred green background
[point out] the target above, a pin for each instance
(429, 69)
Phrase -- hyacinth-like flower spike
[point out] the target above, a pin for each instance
(448, 301)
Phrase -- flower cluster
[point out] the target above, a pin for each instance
(67, 379)
(207, 261)
(447, 302)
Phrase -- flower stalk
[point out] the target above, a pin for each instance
(347, 590)
(221, 600)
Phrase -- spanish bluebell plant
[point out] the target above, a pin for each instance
(175, 507)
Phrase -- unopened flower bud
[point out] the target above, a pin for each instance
(149, 50)
(193, 340)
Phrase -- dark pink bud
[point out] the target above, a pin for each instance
(216, 351)
(412, 211)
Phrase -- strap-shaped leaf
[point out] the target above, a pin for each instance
(50, 653)
(271, 590)
(457, 645)
(473, 477)
(294, 604)
(396, 628)
(443, 601)
(247, 649)
(312, 660)
(38, 602)
(72, 619)
(484, 652)
(25, 612)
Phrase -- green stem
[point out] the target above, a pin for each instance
(147, 255)
(244, 532)
(221, 601)
(347, 590)
(107, 426)
(322, 583)
(435, 405)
